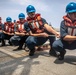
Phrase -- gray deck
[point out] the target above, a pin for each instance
(19, 63)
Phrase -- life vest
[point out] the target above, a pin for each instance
(20, 27)
(9, 27)
(36, 24)
(71, 25)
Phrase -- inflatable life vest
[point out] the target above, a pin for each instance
(9, 27)
(36, 24)
(71, 26)
(20, 27)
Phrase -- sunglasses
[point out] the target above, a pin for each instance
(74, 13)
(31, 13)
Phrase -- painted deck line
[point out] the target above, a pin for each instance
(15, 55)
